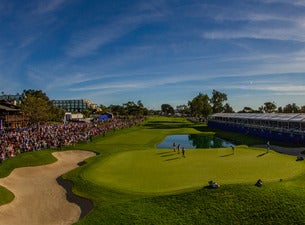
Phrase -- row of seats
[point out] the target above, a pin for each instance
(267, 134)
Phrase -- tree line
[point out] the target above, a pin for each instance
(271, 107)
(37, 107)
(202, 105)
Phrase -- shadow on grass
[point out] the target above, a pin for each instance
(226, 155)
(163, 153)
(168, 125)
(167, 155)
(172, 159)
(262, 154)
(81, 163)
(204, 128)
(209, 187)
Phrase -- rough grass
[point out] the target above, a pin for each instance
(28, 159)
(5, 196)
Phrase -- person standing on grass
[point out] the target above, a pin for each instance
(268, 146)
(174, 146)
(178, 148)
(233, 149)
(182, 150)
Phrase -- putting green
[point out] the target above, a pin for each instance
(165, 171)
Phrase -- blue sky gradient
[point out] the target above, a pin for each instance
(161, 51)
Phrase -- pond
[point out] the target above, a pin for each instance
(192, 141)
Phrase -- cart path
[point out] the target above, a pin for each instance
(39, 199)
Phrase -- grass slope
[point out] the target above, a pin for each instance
(29, 159)
(165, 171)
(118, 200)
(121, 201)
(5, 196)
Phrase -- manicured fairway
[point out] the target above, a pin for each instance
(164, 171)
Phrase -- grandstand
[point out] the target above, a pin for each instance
(284, 127)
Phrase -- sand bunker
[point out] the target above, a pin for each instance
(39, 199)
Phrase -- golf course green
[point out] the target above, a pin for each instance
(130, 181)
(165, 171)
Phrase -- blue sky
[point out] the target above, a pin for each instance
(161, 51)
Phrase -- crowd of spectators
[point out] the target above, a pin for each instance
(55, 136)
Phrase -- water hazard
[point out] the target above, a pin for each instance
(193, 141)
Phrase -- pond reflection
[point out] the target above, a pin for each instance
(192, 141)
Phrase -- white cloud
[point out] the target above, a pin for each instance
(115, 87)
(141, 81)
(285, 23)
(87, 42)
(279, 88)
(283, 34)
(288, 2)
(47, 6)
